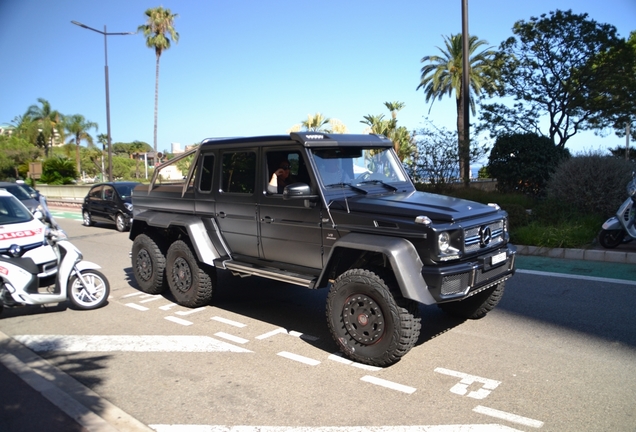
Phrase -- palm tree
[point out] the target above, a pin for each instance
(46, 119)
(316, 123)
(159, 31)
(319, 123)
(442, 75)
(394, 107)
(403, 143)
(78, 126)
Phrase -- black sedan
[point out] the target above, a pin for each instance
(109, 203)
(20, 193)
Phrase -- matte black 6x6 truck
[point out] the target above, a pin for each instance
(321, 211)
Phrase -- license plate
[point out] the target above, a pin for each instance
(496, 259)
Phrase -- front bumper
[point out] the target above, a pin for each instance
(455, 282)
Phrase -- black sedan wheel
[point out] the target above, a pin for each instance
(120, 222)
(86, 216)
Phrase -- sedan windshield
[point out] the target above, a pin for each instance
(18, 192)
(124, 190)
(355, 166)
(13, 211)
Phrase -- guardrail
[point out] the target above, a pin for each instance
(64, 192)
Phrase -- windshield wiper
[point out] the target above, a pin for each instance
(386, 185)
(358, 189)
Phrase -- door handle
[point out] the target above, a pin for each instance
(267, 219)
(221, 215)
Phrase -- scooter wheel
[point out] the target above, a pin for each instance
(93, 295)
(609, 239)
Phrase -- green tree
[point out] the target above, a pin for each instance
(551, 67)
(77, 126)
(44, 118)
(442, 76)
(524, 162)
(159, 31)
(615, 92)
(15, 151)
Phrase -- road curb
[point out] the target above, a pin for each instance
(79, 402)
(579, 254)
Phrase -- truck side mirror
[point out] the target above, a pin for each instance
(298, 191)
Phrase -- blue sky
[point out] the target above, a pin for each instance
(251, 67)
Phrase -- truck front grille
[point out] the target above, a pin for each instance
(483, 236)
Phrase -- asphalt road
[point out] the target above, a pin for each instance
(557, 354)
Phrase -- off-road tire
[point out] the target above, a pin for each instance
(370, 323)
(609, 239)
(475, 306)
(93, 296)
(120, 223)
(87, 219)
(190, 285)
(149, 264)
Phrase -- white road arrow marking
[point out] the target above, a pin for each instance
(461, 388)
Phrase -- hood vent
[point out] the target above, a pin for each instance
(384, 224)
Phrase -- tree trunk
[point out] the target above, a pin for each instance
(463, 142)
(156, 103)
(77, 156)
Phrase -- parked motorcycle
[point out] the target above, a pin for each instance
(620, 228)
(39, 265)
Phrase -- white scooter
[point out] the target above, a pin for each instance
(51, 271)
(622, 227)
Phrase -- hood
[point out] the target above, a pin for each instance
(440, 208)
(22, 234)
(31, 204)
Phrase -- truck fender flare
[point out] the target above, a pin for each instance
(403, 257)
(194, 225)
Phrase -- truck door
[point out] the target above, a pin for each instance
(236, 213)
(290, 230)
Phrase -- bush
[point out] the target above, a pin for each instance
(517, 216)
(591, 183)
(58, 170)
(524, 162)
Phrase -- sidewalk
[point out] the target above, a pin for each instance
(43, 398)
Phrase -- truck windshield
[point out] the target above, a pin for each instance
(355, 166)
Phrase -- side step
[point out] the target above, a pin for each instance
(244, 269)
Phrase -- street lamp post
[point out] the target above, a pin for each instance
(105, 33)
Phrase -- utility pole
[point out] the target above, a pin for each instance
(464, 153)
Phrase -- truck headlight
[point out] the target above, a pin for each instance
(443, 242)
